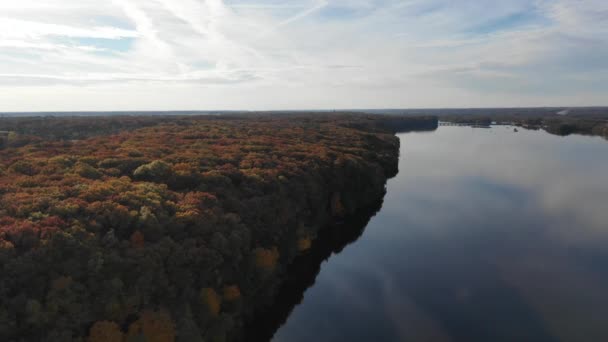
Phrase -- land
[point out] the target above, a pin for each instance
(189, 227)
(555, 120)
(163, 228)
(559, 121)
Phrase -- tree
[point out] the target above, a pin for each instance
(156, 171)
(266, 259)
(87, 171)
(104, 331)
(23, 167)
(137, 239)
(304, 244)
(211, 301)
(232, 293)
(152, 326)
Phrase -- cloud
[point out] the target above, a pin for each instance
(303, 14)
(400, 53)
(23, 28)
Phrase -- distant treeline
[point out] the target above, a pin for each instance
(587, 121)
(138, 228)
(591, 112)
(81, 127)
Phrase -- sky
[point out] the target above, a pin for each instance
(72, 55)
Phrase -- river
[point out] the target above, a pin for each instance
(484, 235)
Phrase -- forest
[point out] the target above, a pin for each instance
(586, 121)
(173, 228)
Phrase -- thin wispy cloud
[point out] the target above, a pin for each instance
(303, 14)
(256, 54)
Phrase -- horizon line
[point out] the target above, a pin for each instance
(296, 110)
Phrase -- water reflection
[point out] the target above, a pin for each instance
(485, 235)
(304, 270)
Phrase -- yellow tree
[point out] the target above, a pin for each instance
(105, 331)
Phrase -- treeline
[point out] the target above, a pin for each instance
(586, 123)
(521, 112)
(394, 123)
(82, 127)
(170, 228)
(78, 127)
(575, 125)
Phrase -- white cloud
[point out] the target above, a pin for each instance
(301, 53)
(31, 29)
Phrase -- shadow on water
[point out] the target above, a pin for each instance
(303, 272)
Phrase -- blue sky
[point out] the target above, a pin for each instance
(298, 54)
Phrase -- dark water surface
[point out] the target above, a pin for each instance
(484, 235)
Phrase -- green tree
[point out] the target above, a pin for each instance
(156, 171)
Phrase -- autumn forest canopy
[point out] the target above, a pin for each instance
(141, 228)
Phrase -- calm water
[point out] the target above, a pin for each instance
(484, 235)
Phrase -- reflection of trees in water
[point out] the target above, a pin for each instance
(303, 272)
